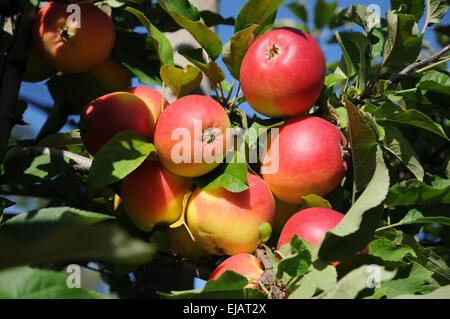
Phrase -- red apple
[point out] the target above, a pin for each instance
(73, 45)
(244, 264)
(152, 195)
(226, 223)
(283, 72)
(308, 152)
(153, 98)
(110, 114)
(191, 135)
(310, 224)
(112, 76)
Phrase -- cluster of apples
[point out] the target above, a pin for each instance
(282, 75)
(74, 38)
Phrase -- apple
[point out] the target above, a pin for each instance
(152, 195)
(226, 223)
(73, 38)
(244, 264)
(309, 156)
(310, 224)
(37, 69)
(112, 76)
(192, 135)
(153, 98)
(110, 114)
(282, 73)
(183, 245)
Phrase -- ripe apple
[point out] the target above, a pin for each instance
(183, 245)
(226, 223)
(37, 68)
(283, 72)
(73, 37)
(192, 135)
(153, 98)
(244, 264)
(310, 159)
(310, 224)
(110, 114)
(283, 211)
(112, 76)
(152, 195)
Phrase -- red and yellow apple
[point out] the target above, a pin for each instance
(112, 76)
(310, 224)
(244, 264)
(283, 72)
(308, 153)
(227, 223)
(110, 114)
(152, 195)
(192, 135)
(73, 38)
(153, 98)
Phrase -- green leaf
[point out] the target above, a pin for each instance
(388, 250)
(314, 201)
(119, 157)
(415, 192)
(321, 276)
(438, 9)
(333, 78)
(298, 262)
(393, 113)
(439, 293)
(400, 147)
(184, 8)
(324, 12)
(357, 227)
(160, 41)
(230, 285)
(299, 9)
(435, 81)
(413, 283)
(356, 280)
(415, 217)
(234, 50)
(137, 53)
(59, 214)
(52, 242)
(414, 7)
(363, 141)
(211, 69)
(207, 38)
(232, 176)
(259, 12)
(181, 81)
(404, 42)
(29, 5)
(359, 14)
(264, 231)
(31, 283)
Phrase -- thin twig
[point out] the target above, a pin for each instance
(407, 71)
(427, 18)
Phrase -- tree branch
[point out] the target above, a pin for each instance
(269, 279)
(81, 164)
(407, 71)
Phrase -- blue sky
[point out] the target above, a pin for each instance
(228, 8)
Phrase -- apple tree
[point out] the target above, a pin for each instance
(99, 188)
